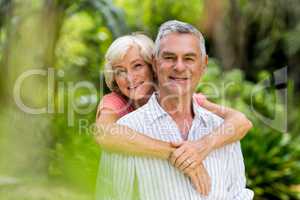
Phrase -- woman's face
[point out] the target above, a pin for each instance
(134, 76)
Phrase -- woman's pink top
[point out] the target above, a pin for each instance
(115, 102)
(121, 106)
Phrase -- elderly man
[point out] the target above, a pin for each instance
(171, 115)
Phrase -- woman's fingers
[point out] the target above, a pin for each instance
(191, 166)
(176, 154)
(202, 184)
(176, 144)
(184, 156)
(195, 182)
(187, 160)
(183, 161)
(205, 182)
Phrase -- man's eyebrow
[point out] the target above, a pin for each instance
(191, 54)
(167, 53)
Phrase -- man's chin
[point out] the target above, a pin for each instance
(178, 88)
(180, 93)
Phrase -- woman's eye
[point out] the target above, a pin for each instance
(120, 72)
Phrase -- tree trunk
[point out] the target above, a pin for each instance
(33, 30)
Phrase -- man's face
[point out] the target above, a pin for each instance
(179, 65)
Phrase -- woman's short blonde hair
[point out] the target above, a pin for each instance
(118, 50)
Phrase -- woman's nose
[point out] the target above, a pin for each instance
(131, 77)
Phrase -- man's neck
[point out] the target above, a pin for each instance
(140, 102)
(180, 109)
(176, 104)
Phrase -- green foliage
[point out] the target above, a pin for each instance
(5, 6)
(269, 31)
(261, 34)
(272, 158)
(75, 155)
(83, 41)
(273, 166)
(41, 190)
(151, 14)
(81, 47)
(113, 17)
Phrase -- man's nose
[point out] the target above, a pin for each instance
(180, 66)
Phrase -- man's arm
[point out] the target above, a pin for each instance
(236, 167)
(115, 177)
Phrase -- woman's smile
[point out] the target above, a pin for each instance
(135, 86)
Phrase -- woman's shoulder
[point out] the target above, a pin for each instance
(113, 97)
(115, 102)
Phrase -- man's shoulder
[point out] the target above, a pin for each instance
(134, 117)
(208, 115)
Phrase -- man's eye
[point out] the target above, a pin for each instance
(189, 59)
(168, 57)
(137, 65)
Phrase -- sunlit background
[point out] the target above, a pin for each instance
(51, 61)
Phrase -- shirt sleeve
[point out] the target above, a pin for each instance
(115, 177)
(237, 187)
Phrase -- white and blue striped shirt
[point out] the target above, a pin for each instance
(124, 177)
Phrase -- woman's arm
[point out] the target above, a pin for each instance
(121, 139)
(234, 128)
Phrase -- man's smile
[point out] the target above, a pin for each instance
(178, 79)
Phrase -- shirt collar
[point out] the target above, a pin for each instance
(156, 111)
(200, 113)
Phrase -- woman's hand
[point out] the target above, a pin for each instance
(200, 179)
(188, 158)
(190, 154)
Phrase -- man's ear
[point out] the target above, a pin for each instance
(205, 63)
(206, 60)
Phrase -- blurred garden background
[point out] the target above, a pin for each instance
(51, 61)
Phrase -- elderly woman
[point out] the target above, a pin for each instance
(129, 75)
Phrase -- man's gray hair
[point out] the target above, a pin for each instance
(174, 26)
